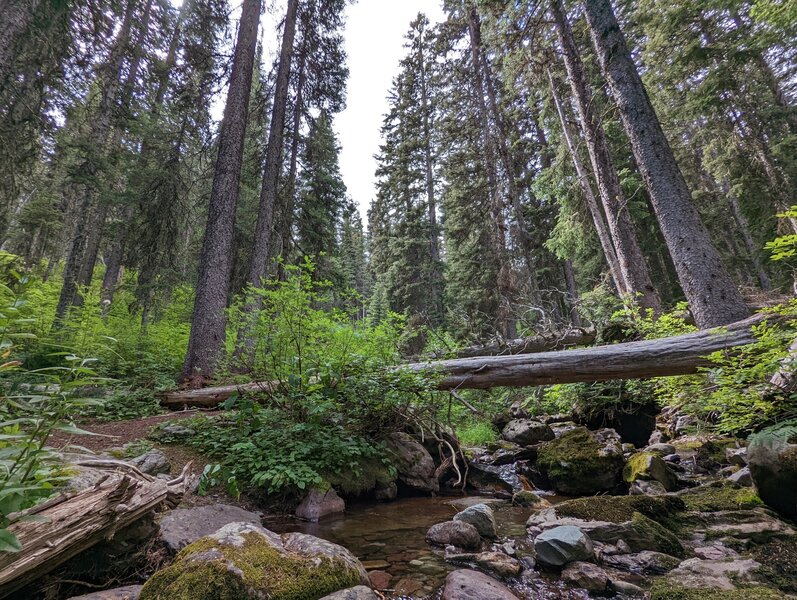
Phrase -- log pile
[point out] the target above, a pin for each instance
(74, 521)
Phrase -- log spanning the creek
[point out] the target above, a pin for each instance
(678, 355)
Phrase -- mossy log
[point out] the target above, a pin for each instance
(72, 522)
(664, 357)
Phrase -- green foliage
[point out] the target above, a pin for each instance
(476, 433)
(785, 246)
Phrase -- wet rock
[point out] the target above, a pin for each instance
(562, 545)
(559, 429)
(380, 580)
(742, 477)
(129, 592)
(717, 574)
(646, 562)
(183, 526)
(528, 498)
(646, 488)
(649, 466)
(527, 432)
(413, 462)
(246, 561)
(408, 587)
(497, 563)
(491, 479)
(581, 462)
(481, 517)
(359, 592)
(661, 449)
(455, 533)
(772, 457)
(466, 584)
(736, 456)
(627, 589)
(586, 576)
(320, 503)
(152, 462)
(386, 493)
(673, 458)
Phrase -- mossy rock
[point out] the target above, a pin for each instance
(665, 590)
(778, 560)
(243, 561)
(711, 498)
(649, 466)
(579, 463)
(661, 539)
(528, 498)
(618, 509)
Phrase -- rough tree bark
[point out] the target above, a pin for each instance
(630, 258)
(586, 187)
(16, 18)
(712, 295)
(208, 323)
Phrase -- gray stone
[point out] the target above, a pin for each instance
(559, 429)
(495, 562)
(177, 431)
(466, 584)
(736, 456)
(683, 423)
(562, 545)
(152, 462)
(481, 517)
(413, 462)
(646, 488)
(661, 448)
(628, 589)
(527, 432)
(649, 466)
(356, 593)
(716, 551)
(183, 526)
(129, 592)
(772, 457)
(646, 562)
(586, 576)
(455, 533)
(716, 574)
(742, 477)
(318, 504)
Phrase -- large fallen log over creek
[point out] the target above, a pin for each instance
(542, 342)
(74, 521)
(678, 355)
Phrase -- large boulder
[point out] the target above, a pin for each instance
(481, 517)
(413, 462)
(245, 561)
(466, 584)
(183, 526)
(526, 432)
(582, 462)
(320, 503)
(772, 458)
(648, 466)
(562, 545)
(455, 533)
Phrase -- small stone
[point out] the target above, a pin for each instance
(673, 458)
(152, 462)
(466, 584)
(742, 477)
(498, 563)
(736, 456)
(360, 592)
(629, 589)
(562, 545)
(481, 517)
(407, 587)
(662, 449)
(320, 503)
(586, 576)
(455, 533)
(380, 580)
(178, 431)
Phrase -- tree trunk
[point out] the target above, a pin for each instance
(586, 188)
(207, 337)
(572, 292)
(17, 16)
(630, 258)
(110, 76)
(712, 295)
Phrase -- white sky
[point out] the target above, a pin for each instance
(375, 44)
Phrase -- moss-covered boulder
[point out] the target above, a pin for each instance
(583, 462)
(720, 497)
(648, 466)
(772, 456)
(243, 561)
(527, 498)
(666, 590)
(618, 509)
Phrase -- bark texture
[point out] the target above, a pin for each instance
(712, 295)
(15, 20)
(208, 322)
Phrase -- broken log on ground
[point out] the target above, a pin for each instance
(678, 355)
(541, 342)
(74, 521)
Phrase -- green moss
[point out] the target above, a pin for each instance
(664, 540)
(526, 498)
(779, 564)
(665, 590)
(720, 497)
(254, 565)
(576, 456)
(370, 473)
(618, 509)
(637, 466)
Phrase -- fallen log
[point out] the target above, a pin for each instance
(212, 396)
(76, 520)
(542, 342)
(678, 355)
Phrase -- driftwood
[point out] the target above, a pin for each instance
(74, 521)
(542, 342)
(678, 355)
